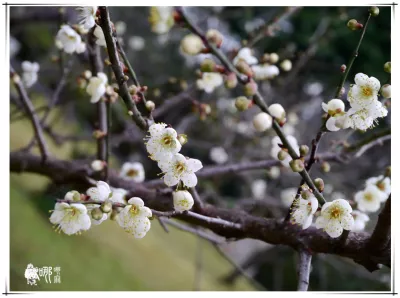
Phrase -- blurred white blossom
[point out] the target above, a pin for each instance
(30, 73)
(218, 155)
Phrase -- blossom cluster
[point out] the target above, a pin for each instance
(376, 191)
(163, 145)
(78, 212)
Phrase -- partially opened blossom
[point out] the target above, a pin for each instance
(87, 15)
(360, 220)
(338, 121)
(303, 211)
(183, 200)
(100, 192)
(70, 218)
(334, 106)
(335, 216)
(246, 55)
(369, 199)
(134, 218)
(68, 40)
(97, 87)
(133, 171)
(383, 184)
(162, 143)
(209, 81)
(30, 73)
(180, 169)
(191, 44)
(364, 92)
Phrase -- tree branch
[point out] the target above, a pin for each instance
(303, 270)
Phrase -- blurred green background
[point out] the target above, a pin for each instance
(105, 258)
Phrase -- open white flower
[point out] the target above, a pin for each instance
(70, 218)
(68, 39)
(180, 169)
(335, 216)
(288, 195)
(364, 118)
(132, 171)
(97, 87)
(99, 34)
(218, 155)
(183, 200)
(30, 73)
(134, 218)
(100, 193)
(275, 149)
(162, 143)
(246, 55)
(258, 188)
(209, 81)
(304, 211)
(364, 92)
(87, 15)
(369, 199)
(360, 220)
(383, 184)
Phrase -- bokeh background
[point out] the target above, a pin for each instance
(315, 39)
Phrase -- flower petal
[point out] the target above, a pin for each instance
(334, 228)
(189, 179)
(170, 179)
(194, 164)
(347, 221)
(138, 202)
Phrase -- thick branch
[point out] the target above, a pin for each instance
(303, 270)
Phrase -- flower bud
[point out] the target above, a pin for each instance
(277, 111)
(354, 25)
(183, 200)
(296, 165)
(386, 91)
(133, 89)
(215, 37)
(306, 194)
(342, 91)
(387, 67)
(242, 103)
(106, 207)
(206, 108)
(16, 78)
(97, 214)
(319, 184)
(273, 58)
(262, 122)
(207, 65)
(388, 171)
(114, 214)
(191, 44)
(326, 167)
(286, 65)
(343, 68)
(97, 165)
(244, 68)
(150, 105)
(250, 88)
(274, 172)
(374, 11)
(231, 81)
(334, 106)
(304, 150)
(183, 139)
(87, 74)
(282, 155)
(72, 195)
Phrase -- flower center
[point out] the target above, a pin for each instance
(134, 210)
(335, 212)
(381, 186)
(131, 173)
(167, 140)
(367, 91)
(368, 197)
(180, 167)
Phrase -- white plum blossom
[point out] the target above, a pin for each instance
(183, 200)
(100, 192)
(180, 169)
(246, 55)
(134, 218)
(133, 171)
(313, 89)
(369, 199)
(258, 188)
(97, 87)
(30, 73)
(97, 165)
(304, 211)
(335, 216)
(274, 172)
(276, 148)
(383, 184)
(364, 118)
(338, 121)
(120, 27)
(288, 195)
(68, 40)
(334, 106)
(276, 110)
(209, 81)
(70, 218)
(360, 220)
(136, 43)
(191, 44)
(99, 34)
(161, 19)
(262, 121)
(118, 196)
(386, 91)
(162, 143)
(87, 15)
(265, 71)
(364, 92)
(218, 155)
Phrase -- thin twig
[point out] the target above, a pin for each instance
(303, 270)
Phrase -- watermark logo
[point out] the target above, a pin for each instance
(43, 274)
